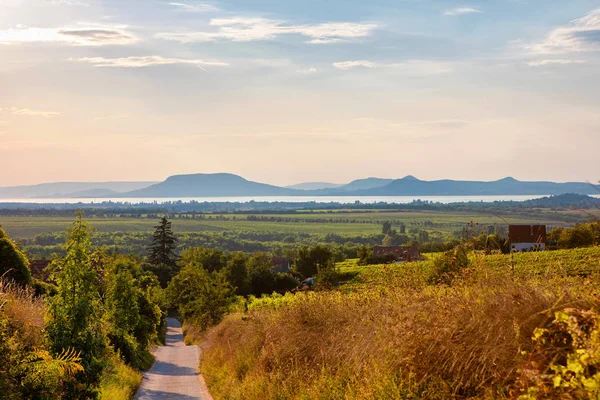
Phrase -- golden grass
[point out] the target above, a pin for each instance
(119, 381)
(391, 341)
(24, 313)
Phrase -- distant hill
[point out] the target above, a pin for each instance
(411, 186)
(70, 189)
(367, 183)
(229, 185)
(210, 185)
(314, 186)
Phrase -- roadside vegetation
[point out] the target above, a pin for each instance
(86, 338)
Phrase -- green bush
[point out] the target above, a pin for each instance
(13, 263)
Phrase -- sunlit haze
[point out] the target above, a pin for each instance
(285, 91)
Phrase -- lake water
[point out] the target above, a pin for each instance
(289, 199)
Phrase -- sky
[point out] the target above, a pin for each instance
(283, 91)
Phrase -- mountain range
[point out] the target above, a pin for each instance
(229, 185)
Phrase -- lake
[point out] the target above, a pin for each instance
(289, 199)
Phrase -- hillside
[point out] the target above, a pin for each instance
(69, 189)
(314, 186)
(411, 186)
(209, 185)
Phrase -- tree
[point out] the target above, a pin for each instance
(202, 298)
(162, 257)
(237, 273)
(75, 313)
(387, 227)
(209, 259)
(13, 263)
(132, 318)
(311, 259)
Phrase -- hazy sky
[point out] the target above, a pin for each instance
(285, 91)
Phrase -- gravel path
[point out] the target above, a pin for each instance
(174, 375)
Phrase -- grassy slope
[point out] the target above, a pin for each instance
(390, 335)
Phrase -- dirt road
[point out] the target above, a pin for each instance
(174, 375)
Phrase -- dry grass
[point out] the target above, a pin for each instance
(23, 311)
(386, 342)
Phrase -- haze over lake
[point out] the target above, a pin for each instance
(287, 199)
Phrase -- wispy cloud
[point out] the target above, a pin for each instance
(354, 64)
(31, 113)
(196, 8)
(307, 71)
(68, 2)
(541, 63)
(243, 29)
(461, 11)
(582, 34)
(81, 35)
(147, 61)
(412, 67)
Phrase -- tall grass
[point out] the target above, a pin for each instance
(397, 338)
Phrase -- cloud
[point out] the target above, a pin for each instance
(147, 61)
(196, 8)
(541, 63)
(68, 2)
(412, 67)
(31, 113)
(582, 34)
(243, 29)
(354, 64)
(461, 11)
(80, 35)
(307, 71)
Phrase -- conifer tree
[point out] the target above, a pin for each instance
(161, 252)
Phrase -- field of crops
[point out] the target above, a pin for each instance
(359, 223)
(562, 263)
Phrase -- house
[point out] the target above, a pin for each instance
(38, 269)
(404, 253)
(281, 264)
(527, 237)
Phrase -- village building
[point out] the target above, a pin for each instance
(527, 237)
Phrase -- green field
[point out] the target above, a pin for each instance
(359, 223)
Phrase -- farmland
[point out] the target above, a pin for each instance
(265, 232)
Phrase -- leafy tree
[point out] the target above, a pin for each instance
(261, 275)
(75, 313)
(210, 259)
(161, 252)
(310, 259)
(132, 317)
(237, 273)
(13, 263)
(201, 297)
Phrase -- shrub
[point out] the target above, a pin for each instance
(449, 265)
(13, 263)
